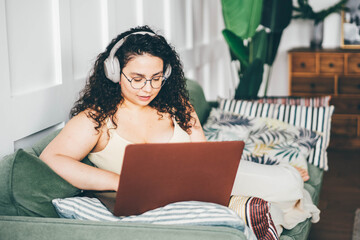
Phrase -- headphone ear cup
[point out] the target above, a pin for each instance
(117, 70)
(168, 71)
(112, 69)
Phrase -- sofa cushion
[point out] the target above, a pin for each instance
(31, 185)
(312, 118)
(7, 207)
(37, 228)
(267, 141)
(40, 145)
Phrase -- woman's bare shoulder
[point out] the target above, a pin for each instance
(77, 138)
(83, 118)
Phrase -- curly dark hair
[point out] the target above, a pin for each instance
(101, 97)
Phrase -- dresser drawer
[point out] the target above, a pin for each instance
(331, 63)
(349, 85)
(314, 85)
(344, 126)
(334, 72)
(303, 63)
(345, 105)
(353, 64)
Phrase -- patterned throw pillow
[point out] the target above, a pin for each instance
(182, 213)
(313, 118)
(267, 141)
(320, 101)
(256, 214)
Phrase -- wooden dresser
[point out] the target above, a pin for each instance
(334, 72)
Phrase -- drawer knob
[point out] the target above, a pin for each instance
(358, 65)
(303, 65)
(331, 65)
(358, 86)
(312, 85)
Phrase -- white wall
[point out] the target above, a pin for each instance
(47, 48)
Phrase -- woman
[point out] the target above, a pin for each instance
(135, 94)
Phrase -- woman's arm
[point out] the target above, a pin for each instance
(74, 143)
(197, 133)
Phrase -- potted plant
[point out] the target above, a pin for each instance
(305, 11)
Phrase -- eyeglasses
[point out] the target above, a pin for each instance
(139, 82)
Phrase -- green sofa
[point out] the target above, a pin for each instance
(27, 186)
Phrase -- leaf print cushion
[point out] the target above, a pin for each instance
(220, 127)
(267, 141)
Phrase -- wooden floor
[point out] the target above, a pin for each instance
(339, 197)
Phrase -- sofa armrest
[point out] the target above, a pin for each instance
(213, 104)
(313, 186)
(58, 229)
(198, 100)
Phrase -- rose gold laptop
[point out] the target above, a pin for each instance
(154, 175)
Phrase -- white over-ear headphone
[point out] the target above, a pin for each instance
(112, 65)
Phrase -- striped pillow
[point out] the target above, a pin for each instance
(255, 212)
(181, 213)
(313, 118)
(320, 101)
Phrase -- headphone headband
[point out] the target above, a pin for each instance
(112, 65)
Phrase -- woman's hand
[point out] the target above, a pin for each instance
(197, 133)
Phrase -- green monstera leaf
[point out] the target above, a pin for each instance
(242, 17)
(250, 81)
(237, 47)
(258, 46)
